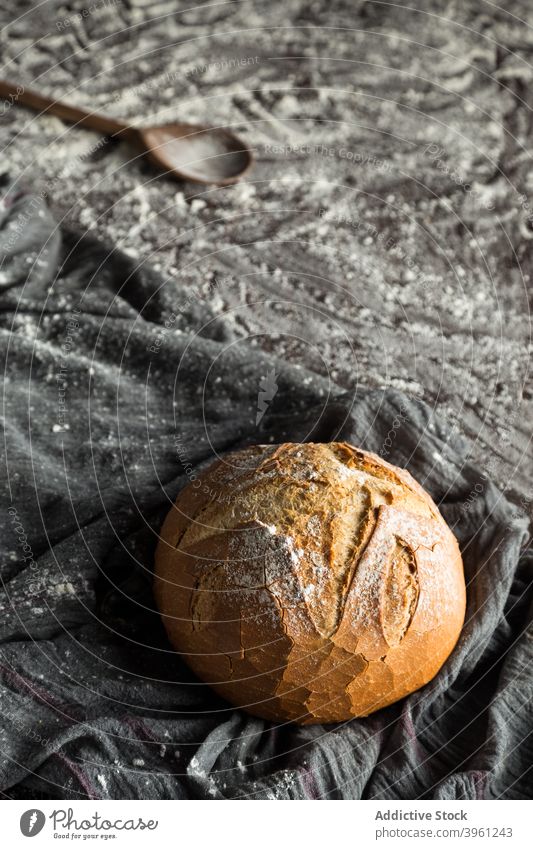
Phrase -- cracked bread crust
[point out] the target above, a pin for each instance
(309, 582)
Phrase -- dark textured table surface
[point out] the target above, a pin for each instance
(391, 190)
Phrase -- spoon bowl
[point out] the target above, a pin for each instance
(195, 153)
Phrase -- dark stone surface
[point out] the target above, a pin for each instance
(442, 312)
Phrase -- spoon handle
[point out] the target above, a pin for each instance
(26, 97)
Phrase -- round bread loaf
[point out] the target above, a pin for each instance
(309, 582)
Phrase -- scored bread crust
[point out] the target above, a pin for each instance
(309, 582)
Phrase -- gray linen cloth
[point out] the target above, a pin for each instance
(116, 384)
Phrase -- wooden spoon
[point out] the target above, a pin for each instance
(185, 151)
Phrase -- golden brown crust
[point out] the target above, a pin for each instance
(309, 582)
